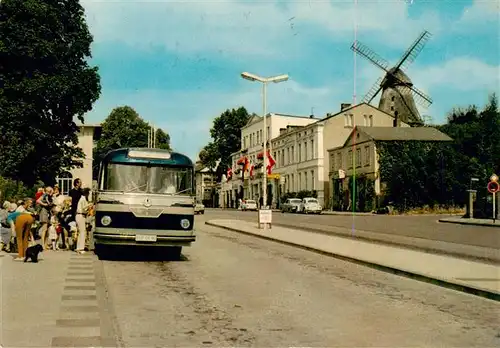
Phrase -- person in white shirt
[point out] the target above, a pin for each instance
(81, 214)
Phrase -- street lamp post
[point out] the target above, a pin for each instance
(264, 81)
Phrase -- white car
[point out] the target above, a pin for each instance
(310, 205)
(249, 204)
(199, 208)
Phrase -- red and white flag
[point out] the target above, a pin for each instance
(270, 162)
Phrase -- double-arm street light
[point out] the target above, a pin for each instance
(264, 81)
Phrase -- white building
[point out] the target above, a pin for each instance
(87, 139)
(205, 179)
(301, 152)
(252, 142)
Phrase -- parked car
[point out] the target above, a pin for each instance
(249, 204)
(199, 208)
(291, 205)
(310, 205)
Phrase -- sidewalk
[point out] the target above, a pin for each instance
(469, 276)
(474, 222)
(52, 303)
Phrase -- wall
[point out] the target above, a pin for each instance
(338, 128)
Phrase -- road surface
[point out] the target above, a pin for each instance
(236, 290)
(417, 226)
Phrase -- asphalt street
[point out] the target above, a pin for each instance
(416, 226)
(235, 290)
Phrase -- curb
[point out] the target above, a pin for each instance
(420, 277)
(397, 244)
(483, 224)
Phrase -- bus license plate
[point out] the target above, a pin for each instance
(145, 238)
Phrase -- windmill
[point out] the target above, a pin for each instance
(398, 93)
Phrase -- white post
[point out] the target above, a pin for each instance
(494, 206)
(264, 107)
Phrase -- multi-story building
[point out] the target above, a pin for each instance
(206, 184)
(88, 136)
(358, 155)
(252, 142)
(301, 152)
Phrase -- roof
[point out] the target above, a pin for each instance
(121, 156)
(319, 121)
(404, 133)
(92, 125)
(257, 118)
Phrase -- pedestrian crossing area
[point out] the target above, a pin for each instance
(79, 323)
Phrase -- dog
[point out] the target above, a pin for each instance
(32, 253)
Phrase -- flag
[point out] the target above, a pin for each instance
(270, 162)
(246, 164)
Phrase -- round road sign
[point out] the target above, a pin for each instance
(493, 187)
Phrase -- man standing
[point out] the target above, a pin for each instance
(75, 193)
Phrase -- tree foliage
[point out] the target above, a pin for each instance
(45, 81)
(125, 128)
(422, 173)
(226, 139)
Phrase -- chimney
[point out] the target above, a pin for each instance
(344, 106)
(311, 116)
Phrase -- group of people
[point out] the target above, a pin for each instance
(54, 219)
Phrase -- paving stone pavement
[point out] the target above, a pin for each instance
(59, 302)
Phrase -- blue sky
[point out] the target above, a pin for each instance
(178, 63)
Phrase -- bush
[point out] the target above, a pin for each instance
(15, 190)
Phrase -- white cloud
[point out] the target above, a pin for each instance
(257, 28)
(481, 12)
(460, 74)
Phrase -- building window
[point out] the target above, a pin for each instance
(365, 120)
(370, 119)
(351, 120)
(292, 153)
(306, 183)
(305, 151)
(268, 133)
(349, 160)
(312, 149)
(300, 153)
(358, 157)
(339, 160)
(288, 155)
(313, 181)
(299, 184)
(283, 157)
(367, 156)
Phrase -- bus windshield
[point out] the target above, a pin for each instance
(129, 178)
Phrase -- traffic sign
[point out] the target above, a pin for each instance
(493, 186)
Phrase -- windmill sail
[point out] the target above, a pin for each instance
(369, 54)
(412, 53)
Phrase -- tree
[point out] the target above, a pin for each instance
(45, 82)
(226, 139)
(125, 128)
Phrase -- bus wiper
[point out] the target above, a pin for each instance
(182, 191)
(135, 188)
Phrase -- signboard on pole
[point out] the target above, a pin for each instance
(493, 188)
(265, 217)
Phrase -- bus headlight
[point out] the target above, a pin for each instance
(185, 224)
(106, 220)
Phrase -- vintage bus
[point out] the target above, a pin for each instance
(145, 197)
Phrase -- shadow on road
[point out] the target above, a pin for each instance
(134, 254)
